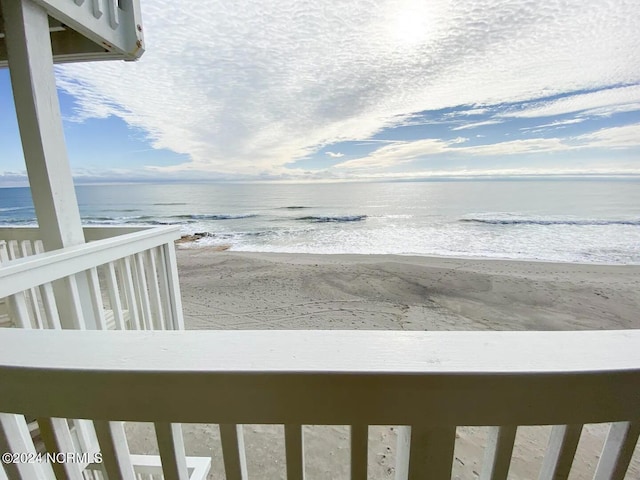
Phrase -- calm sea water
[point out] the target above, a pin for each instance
(592, 221)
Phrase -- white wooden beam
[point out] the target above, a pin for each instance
(323, 377)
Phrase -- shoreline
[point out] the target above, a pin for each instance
(193, 245)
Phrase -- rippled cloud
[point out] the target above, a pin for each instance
(250, 87)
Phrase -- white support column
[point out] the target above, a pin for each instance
(30, 62)
(34, 89)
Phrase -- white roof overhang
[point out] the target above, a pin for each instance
(88, 30)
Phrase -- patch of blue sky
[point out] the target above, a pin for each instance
(96, 145)
(109, 143)
(477, 125)
(12, 159)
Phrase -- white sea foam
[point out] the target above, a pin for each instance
(585, 221)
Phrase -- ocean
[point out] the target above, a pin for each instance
(585, 221)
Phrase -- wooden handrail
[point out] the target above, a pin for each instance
(324, 377)
(21, 274)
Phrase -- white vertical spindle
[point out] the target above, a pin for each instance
(403, 445)
(617, 451)
(96, 8)
(50, 307)
(86, 435)
(560, 453)
(33, 297)
(114, 297)
(142, 291)
(57, 438)
(4, 252)
(172, 454)
(294, 451)
(20, 310)
(14, 432)
(497, 455)
(154, 290)
(115, 450)
(112, 10)
(75, 303)
(431, 452)
(12, 247)
(96, 298)
(359, 451)
(17, 303)
(48, 297)
(130, 294)
(165, 293)
(233, 452)
(174, 286)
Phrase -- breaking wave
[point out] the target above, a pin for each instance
(13, 209)
(160, 220)
(501, 221)
(214, 216)
(336, 219)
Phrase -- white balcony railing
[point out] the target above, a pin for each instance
(428, 381)
(124, 279)
(130, 280)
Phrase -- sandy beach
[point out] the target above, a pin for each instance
(230, 290)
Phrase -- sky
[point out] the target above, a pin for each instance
(296, 90)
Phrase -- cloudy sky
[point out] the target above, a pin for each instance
(305, 90)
